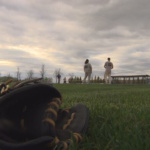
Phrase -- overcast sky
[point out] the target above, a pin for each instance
(63, 33)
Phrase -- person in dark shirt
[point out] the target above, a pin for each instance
(59, 77)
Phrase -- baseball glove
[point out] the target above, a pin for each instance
(31, 119)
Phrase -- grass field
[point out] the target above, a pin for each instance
(119, 115)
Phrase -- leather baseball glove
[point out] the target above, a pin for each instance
(31, 118)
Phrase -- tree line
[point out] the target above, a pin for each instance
(30, 75)
(95, 79)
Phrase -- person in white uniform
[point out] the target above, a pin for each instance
(107, 75)
(87, 70)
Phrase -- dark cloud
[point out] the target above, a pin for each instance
(131, 14)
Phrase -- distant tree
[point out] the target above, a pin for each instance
(92, 79)
(75, 79)
(8, 75)
(50, 80)
(42, 71)
(65, 80)
(30, 74)
(98, 79)
(71, 75)
(80, 80)
(95, 79)
(18, 74)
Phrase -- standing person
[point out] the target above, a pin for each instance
(87, 70)
(64, 79)
(107, 75)
(58, 76)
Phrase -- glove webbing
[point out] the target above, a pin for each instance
(51, 114)
(69, 121)
(56, 142)
(52, 111)
(65, 144)
(3, 89)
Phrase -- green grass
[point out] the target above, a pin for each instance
(119, 115)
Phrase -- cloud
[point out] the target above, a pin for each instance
(62, 34)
